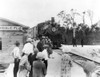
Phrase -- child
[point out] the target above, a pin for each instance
(17, 57)
(39, 68)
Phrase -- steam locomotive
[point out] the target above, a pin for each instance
(52, 30)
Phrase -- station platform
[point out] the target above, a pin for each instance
(91, 52)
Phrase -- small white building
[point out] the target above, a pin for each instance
(10, 32)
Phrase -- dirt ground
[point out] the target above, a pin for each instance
(54, 65)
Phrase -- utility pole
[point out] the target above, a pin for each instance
(73, 23)
(74, 28)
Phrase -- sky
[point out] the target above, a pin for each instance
(32, 12)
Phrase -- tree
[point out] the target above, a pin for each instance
(68, 19)
(90, 13)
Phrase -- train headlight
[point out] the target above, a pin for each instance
(54, 29)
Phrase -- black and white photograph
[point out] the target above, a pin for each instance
(49, 38)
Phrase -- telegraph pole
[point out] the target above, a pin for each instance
(74, 29)
(83, 18)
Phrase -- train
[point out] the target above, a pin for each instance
(52, 30)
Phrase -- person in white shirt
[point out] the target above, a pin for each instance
(17, 57)
(45, 53)
(28, 47)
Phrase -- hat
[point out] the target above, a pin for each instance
(40, 55)
(36, 50)
(29, 40)
(45, 46)
(43, 36)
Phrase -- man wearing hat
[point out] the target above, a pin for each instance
(28, 47)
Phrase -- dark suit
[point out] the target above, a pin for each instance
(40, 46)
(31, 58)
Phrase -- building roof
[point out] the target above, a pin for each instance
(7, 22)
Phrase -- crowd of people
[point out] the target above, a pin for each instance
(32, 60)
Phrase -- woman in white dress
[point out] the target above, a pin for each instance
(24, 66)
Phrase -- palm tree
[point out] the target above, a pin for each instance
(69, 19)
